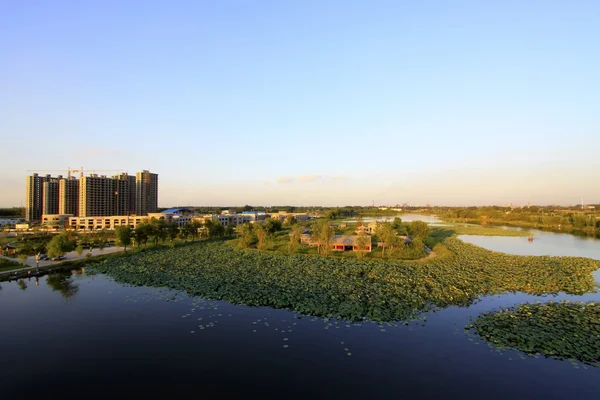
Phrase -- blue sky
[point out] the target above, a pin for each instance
(307, 102)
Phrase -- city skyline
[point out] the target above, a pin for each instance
(90, 195)
(308, 103)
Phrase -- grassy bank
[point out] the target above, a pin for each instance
(6, 265)
(558, 330)
(347, 287)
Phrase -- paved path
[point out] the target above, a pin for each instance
(72, 255)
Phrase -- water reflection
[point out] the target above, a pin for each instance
(22, 284)
(61, 282)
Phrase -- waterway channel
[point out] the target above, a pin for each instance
(73, 334)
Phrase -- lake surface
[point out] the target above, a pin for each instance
(67, 336)
(405, 218)
(544, 243)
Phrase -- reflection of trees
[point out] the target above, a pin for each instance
(61, 282)
(22, 284)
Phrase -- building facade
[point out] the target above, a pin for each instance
(50, 196)
(68, 196)
(125, 194)
(146, 192)
(34, 187)
(96, 196)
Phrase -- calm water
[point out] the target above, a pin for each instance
(544, 243)
(69, 336)
(404, 217)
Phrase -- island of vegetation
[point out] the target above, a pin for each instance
(564, 330)
(269, 267)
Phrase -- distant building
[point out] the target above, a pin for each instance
(56, 221)
(89, 196)
(50, 196)
(96, 196)
(340, 242)
(68, 195)
(146, 192)
(33, 196)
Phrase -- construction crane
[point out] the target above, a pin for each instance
(80, 171)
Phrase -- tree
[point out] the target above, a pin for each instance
(322, 234)
(261, 234)
(359, 221)
(295, 236)
(273, 225)
(362, 242)
(79, 249)
(124, 234)
(141, 233)
(418, 230)
(289, 220)
(195, 229)
(58, 246)
(172, 230)
(387, 234)
(23, 258)
(245, 236)
(214, 228)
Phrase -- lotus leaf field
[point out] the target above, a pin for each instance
(564, 330)
(347, 288)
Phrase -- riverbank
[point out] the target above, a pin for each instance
(31, 266)
(525, 225)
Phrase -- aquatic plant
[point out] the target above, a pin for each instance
(564, 330)
(346, 287)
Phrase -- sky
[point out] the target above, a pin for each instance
(306, 102)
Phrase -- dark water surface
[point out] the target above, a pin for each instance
(87, 336)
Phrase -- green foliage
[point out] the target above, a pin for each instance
(59, 245)
(289, 221)
(362, 241)
(346, 287)
(486, 231)
(322, 234)
(141, 234)
(558, 330)
(245, 235)
(124, 234)
(79, 250)
(418, 230)
(261, 233)
(295, 236)
(387, 234)
(214, 228)
(172, 230)
(22, 258)
(272, 225)
(7, 265)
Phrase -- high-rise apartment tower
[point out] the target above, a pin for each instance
(146, 192)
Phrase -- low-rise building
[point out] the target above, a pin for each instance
(56, 221)
(99, 223)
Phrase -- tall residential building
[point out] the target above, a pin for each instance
(124, 192)
(96, 196)
(34, 186)
(50, 196)
(68, 196)
(146, 192)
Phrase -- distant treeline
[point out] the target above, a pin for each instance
(13, 212)
(554, 217)
(346, 211)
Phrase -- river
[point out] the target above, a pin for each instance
(70, 334)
